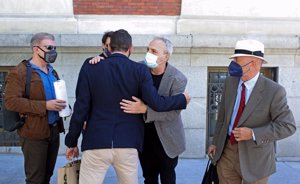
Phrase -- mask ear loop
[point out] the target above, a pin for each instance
(247, 64)
(167, 55)
(39, 54)
(248, 69)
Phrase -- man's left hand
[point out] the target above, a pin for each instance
(242, 133)
(95, 60)
(133, 107)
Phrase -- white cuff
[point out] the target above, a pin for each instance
(253, 136)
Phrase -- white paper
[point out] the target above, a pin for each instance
(61, 94)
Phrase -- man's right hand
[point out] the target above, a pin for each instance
(136, 106)
(71, 153)
(96, 60)
(187, 97)
(211, 150)
(55, 105)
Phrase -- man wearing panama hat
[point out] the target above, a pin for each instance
(252, 115)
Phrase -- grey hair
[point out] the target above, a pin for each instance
(168, 43)
(38, 37)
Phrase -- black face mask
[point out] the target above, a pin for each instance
(49, 56)
(106, 52)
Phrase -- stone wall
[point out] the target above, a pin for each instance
(204, 33)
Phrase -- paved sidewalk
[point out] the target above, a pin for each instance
(189, 171)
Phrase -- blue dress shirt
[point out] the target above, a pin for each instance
(48, 80)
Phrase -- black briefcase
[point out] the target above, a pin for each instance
(210, 175)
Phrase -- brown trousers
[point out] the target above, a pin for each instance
(228, 167)
(40, 157)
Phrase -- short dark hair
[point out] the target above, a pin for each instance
(120, 41)
(38, 37)
(106, 35)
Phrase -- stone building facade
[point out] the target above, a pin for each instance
(204, 33)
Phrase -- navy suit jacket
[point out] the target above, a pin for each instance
(100, 89)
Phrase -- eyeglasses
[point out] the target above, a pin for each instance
(50, 47)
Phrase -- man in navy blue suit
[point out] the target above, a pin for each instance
(113, 137)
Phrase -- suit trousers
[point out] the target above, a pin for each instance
(40, 157)
(94, 165)
(228, 167)
(154, 160)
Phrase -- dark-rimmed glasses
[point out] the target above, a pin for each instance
(50, 47)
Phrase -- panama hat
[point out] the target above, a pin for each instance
(252, 48)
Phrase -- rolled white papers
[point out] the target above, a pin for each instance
(61, 94)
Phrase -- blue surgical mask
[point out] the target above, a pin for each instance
(236, 70)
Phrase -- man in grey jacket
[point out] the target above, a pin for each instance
(164, 134)
(253, 114)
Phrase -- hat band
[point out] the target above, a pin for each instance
(254, 53)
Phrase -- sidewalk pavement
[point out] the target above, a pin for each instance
(189, 171)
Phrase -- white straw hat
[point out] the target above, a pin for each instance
(252, 48)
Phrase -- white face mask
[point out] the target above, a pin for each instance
(150, 60)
